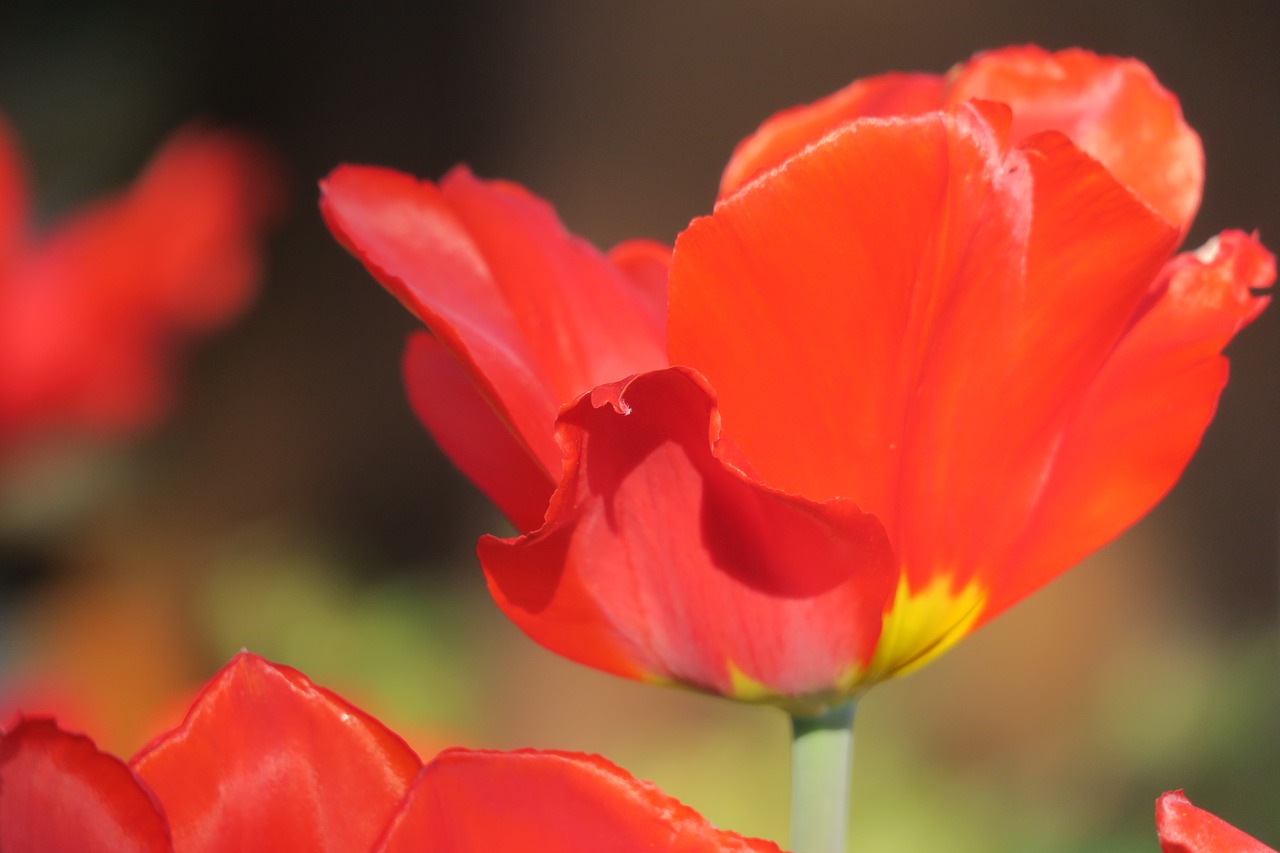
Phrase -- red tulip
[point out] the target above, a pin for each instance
(90, 315)
(268, 761)
(1183, 828)
(929, 350)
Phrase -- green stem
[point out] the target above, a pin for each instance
(821, 759)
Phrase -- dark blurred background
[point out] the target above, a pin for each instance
(292, 504)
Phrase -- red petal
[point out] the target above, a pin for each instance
(1113, 108)
(1183, 828)
(407, 235)
(647, 265)
(546, 801)
(536, 315)
(659, 561)
(1142, 418)
(59, 794)
(575, 308)
(268, 761)
(788, 132)
(473, 434)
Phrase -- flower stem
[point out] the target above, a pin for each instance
(821, 760)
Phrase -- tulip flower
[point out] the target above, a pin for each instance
(265, 760)
(92, 313)
(1183, 828)
(931, 348)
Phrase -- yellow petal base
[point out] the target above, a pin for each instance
(922, 625)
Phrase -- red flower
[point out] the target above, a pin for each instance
(90, 314)
(267, 761)
(1183, 828)
(929, 351)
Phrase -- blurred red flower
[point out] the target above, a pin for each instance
(1183, 828)
(91, 314)
(265, 760)
(929, 350)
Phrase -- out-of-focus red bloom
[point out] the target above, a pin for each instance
(1183, 828)
(929, 350)
(268, 761)
(90, 314)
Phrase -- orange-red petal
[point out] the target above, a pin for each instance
(903, 314)
(660, 561)
(60, 794)
(536, 801)
(1142, 417)
(809, 297)
(265, 760)
(1183, 828)
(1112, 108)
(536, 315)
(788, 132)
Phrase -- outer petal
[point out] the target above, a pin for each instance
(914, 309)
(267, 761)
(546, 801)
(473, 434)
(659, 561)
(59, 794)
(1009, 361)
(647, 264)
(915, 262)
(535, 315)
(1143, 416)
(1183, 828)
(788, 132)
(1113, 108)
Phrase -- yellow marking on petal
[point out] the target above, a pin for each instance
(922, 625)
(918, 627)
(747, 689)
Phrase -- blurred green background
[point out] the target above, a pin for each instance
(292, 505)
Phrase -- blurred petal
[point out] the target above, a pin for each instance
(790, 131)
(1112, 108)
(1135, 430)
(1183, 828)
(535, 315)
(473, 434)
(59, 794)
(546, 801)
(659, 561)
(91, 316)
(268, 761)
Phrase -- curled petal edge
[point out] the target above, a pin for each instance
(664, 560)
